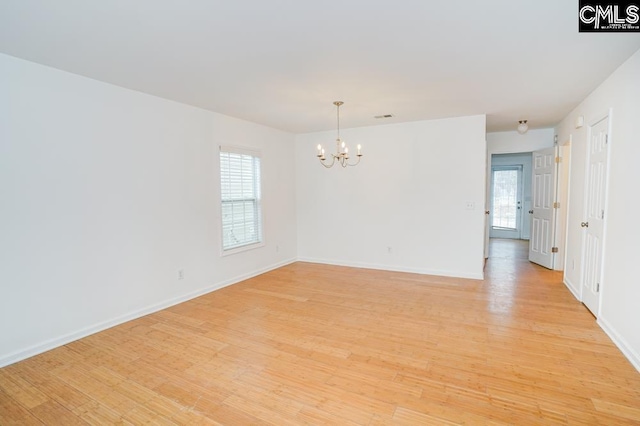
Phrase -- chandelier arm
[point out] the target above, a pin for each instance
(333, 160)
(356, 163)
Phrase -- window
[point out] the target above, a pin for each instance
(240, 199)
(505, 198)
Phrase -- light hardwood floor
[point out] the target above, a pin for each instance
(317, 344)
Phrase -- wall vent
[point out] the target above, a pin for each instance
(383, 116)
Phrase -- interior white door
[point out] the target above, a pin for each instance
(543, 216)
(596, 187)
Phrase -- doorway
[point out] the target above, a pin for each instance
(510, 196)
(526, 212)
(506, 201)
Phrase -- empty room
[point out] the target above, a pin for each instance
(338, 213)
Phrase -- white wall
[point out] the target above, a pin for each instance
(514, 142)
(408, 194)
(620, 292)
(105, 193)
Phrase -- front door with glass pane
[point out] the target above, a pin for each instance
(506, 201)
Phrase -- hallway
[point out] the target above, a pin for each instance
(513, 281)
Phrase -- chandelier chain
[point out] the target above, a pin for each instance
(338, 119)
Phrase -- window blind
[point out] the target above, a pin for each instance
(240, 198)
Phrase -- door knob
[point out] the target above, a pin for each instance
(584, 224)
(487, 212)
(530, 211)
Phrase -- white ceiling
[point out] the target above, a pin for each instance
(282, 63)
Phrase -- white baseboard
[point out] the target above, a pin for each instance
(572, 288)
(442, 273)
(625, 348)
(87, 331)
(615, 337)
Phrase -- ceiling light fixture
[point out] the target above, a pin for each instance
(522, 127)
(342, 150)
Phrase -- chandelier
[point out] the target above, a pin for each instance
(342, 150)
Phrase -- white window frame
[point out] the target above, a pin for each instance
(518, 215)
(258, 200)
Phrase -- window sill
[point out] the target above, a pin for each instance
(241, 249)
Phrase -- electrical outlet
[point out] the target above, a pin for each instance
(181, 274)
(470, 205)
(389, 249)
(277, 249)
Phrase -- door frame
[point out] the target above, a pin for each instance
(563, 196)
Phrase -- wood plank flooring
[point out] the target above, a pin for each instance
(317, 344)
